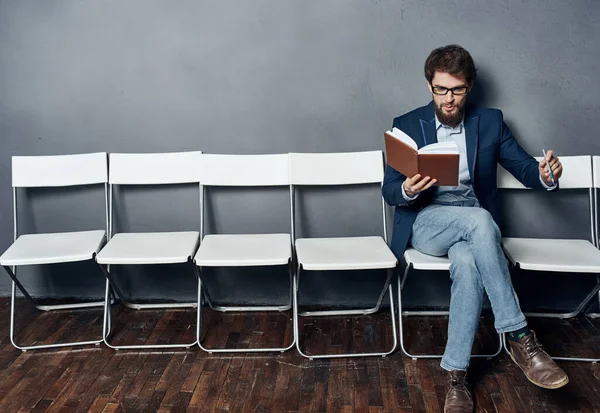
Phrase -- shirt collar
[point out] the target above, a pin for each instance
(457, 129)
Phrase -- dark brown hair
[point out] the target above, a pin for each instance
(451, 59)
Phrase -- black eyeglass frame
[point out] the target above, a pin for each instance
(455, 90)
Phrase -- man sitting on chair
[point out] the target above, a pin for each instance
(460, 221)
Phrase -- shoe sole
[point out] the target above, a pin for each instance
(543, 386)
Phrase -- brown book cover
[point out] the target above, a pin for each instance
(406, 159)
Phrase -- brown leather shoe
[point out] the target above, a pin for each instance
(537, 365)
(458, 398)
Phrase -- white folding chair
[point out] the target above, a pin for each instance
(348, 253)
(596, 170)
(419, 261)
(52, 248)
(596, 179)
(242, 250)
(558, 255)
(151, 247)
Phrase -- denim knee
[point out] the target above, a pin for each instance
(482, 226)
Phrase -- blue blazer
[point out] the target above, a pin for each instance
(489, 142)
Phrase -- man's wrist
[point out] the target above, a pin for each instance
(548, 185)
(408, 197)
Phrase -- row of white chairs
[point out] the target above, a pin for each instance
(297, 256)
(200, 250)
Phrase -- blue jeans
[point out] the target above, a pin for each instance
(471, 239)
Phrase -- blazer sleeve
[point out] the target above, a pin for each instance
(392, 187)
(516, 160)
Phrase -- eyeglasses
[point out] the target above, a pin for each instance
(458, 91)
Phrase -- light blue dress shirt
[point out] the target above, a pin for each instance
(462, 194)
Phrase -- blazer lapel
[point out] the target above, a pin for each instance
(428, 126)
(472, 137)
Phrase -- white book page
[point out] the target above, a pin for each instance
(440, 148)
(403, 137)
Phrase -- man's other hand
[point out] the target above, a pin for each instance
(555, 165)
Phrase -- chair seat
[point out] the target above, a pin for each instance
(559, 255)
(34, 249)
(244, 250)
(420, 261)
(355, 253)
(149, 248)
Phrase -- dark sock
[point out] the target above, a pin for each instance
(518, 334)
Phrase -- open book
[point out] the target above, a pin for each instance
(438, 160)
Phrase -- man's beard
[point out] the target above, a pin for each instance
(453, 119)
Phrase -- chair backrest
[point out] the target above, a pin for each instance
(242, 171)
(596, 176)
(345, 168)
(577, 174)
(59, 170)
(596, 171)
(154, 168)
(245, 170)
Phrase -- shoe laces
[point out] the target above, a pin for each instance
(533, 348)
(459, 383)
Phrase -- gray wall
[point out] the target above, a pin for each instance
(270, 77)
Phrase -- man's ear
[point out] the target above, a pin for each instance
(429, 86)
(470, 87)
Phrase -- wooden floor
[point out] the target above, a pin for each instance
(99, 379)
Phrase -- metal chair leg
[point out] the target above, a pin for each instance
(240, 309)
(595, 315)
(428, 356)
(387, 286)
(16, 284)
(580, 307)
(365, 311)
(106, 330)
